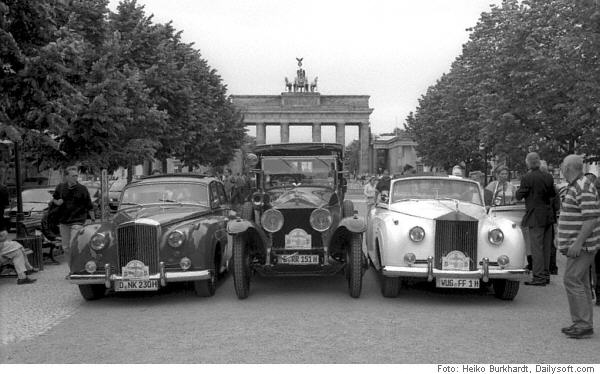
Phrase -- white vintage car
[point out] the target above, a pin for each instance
(437, 228)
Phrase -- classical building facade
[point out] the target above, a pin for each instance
(395, 152)
(302, 105)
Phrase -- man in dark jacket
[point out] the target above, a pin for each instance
(537, 188)
(4, 202)
(75, 202)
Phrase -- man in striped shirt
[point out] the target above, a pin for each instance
(578, 239)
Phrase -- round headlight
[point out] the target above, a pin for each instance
(90, 267)
(416, 234)
(503, 260)
(496, 236)
(410, 258)
(272, 220)
(175, 239)
(320, 219)
(185, 263)
(98, 241)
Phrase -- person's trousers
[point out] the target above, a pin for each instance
(541, 245)
(68, 233)
(19, 261)
(579, 290)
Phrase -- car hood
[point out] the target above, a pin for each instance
(163, 214)
(300, 197)
(433, 209)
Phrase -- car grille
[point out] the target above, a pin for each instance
(456, 236)
(138, 242)
(296, 218)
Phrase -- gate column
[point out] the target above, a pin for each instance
(284, 129)
(340, 133)
(364, 147)
(261, 133)
(316, 133)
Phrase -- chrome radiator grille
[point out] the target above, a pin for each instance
(456, 236)
(138, 242)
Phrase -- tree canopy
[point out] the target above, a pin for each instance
(82, 84)
(527, 79)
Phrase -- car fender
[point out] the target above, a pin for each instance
(238, 226)
(354, 224)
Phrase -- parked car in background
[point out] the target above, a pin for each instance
(167, 229)
(436, 228)
(35, 202)
(297, 222)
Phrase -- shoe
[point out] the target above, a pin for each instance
(565, 330)
(579, 333)
(26, 281)
(548, 281)
(536, 283)
(31, 271)
(554, 271)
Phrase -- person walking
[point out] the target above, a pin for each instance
(384, 184)
(369, 192)
(579, 240)
(75, 205)
(537, 188)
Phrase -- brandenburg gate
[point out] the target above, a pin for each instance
(302, 105)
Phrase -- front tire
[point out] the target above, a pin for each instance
(354, 265)
(505, 289)
(241, 267)
(92, 291)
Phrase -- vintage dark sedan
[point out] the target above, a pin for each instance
(297, 222)
(168, 228)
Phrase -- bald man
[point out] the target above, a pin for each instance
(579, 240)
(537, 188)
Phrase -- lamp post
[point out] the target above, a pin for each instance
(19, 217)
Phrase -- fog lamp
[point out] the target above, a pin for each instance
(503, 260)
(175, 238)
(416, 234)
(185, 263)
(90, 267)
(496, 236)
(320, 219)
(410, 258)
(98, 242)
(272, 220)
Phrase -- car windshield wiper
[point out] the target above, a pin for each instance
(167, 201)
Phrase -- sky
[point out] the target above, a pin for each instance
(390, 50)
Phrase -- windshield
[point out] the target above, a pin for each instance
(420, 189)
(191, 193)
(308, 170)
(37, 196)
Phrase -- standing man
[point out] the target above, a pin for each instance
(75, 205)
(537, 188)
(579, 239)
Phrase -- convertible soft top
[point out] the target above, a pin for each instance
(300, 149)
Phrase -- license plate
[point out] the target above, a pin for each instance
(456, 283)
(136, 285)
(299, 259)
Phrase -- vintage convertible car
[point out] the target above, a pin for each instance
(298, 222)
(168, 228)
(437, 228)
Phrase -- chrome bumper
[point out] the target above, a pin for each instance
(429, 272)
(163, 277)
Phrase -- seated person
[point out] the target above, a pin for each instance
(12, 251)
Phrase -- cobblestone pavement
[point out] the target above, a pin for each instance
(31, 310)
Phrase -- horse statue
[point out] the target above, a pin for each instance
(288, 85)
(300, 82)
(313, 85)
